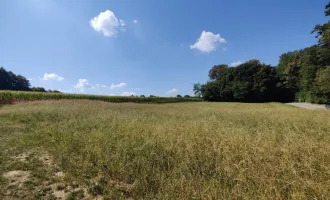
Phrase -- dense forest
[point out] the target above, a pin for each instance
(11, 81)
(302, 75)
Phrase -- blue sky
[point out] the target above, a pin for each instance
(158, 47)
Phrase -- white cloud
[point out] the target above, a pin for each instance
(135, 21)
(52, 76)
(174, 90)
(128, 93)
(235, 64)
(30, 79)
(82, 84)
(107, 23)
(119, 85)
(207, 42)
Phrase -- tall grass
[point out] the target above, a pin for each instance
(184, 151)
(14, 96)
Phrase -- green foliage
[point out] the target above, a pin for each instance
(54, 91)
(12, 96)
(301, 75)
(186, 96)
(198, 89)
(216, 70)
(38, 89)
(249, 82)
(323, 31)
(322, 82)
(11, 81)
(178, 96)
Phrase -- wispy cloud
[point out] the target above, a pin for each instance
(128, 94)
(174, 90)
(119, 85)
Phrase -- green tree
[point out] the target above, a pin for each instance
(216, 70)
(323, 31)
(38, 89)
(322, 83)
(11, 81)
(178, 96)
(198, 89)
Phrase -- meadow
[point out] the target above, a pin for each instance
(192, 150)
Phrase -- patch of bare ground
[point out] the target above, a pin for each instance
(42, 179)
(16, 177)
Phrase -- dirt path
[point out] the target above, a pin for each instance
(309, 106)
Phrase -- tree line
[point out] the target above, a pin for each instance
(11, 81)
(302, 75)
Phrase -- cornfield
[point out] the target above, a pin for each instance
(17, 96)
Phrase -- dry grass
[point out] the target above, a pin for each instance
(183, 150)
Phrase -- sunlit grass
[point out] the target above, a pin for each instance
(184, 150)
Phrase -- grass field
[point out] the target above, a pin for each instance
(76, 148)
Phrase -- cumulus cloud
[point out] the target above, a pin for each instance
(52, 76)
(235, 64)
(208, 42)
(83, 84)
(128, 93)
(174, 90)
(135, 21)
(107, 23)
(119, 85)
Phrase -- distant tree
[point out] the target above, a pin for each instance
(142, 96)
(322, 82)
(11, 81)
(179, 96)
(54, 91)
(152, 96)
(198, 89)
(251, 81)
(284, 61)
(38, 89)
(216, 70)
(186, 96)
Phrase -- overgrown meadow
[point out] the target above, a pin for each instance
(180, 151)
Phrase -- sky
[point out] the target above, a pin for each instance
(146, 47)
